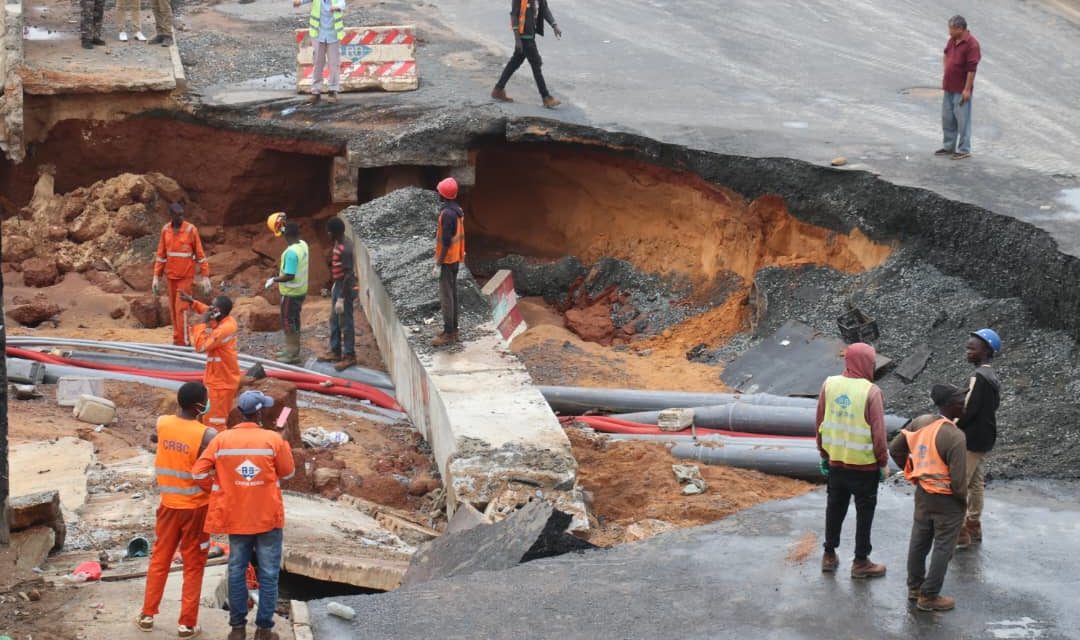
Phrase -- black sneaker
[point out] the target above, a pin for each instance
(943, 152)
(166, 41)
(98, 41)
(158, 39)
(86, 44)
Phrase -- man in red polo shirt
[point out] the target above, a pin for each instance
(962, 56)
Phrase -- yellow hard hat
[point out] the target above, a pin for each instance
(276, 222)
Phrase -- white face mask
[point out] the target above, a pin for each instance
(205, 409)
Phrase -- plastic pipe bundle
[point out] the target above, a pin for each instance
(578, 400)
(756, 418)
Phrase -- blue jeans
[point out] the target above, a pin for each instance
(343, 327)
(267, 550)
(955, 123)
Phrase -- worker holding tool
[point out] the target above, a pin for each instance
(179, 255)
(932, 452)
(527, 18)
(342, 297)
(246, 463)
(449, 254)
(979, 424)
(181, 513)
(854, 455)
(292, 281)
(214, 333)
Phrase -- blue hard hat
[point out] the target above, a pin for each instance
(990, 337)
(251, 401)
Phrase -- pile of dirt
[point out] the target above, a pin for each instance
(635, 494)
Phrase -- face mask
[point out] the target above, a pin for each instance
(215, 313)
(205, 409)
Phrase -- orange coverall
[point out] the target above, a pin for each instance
(222, 377)
(179, 252)
(181, 517)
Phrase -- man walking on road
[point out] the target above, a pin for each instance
(214, 334)
(979, 424)
(292, 281)
(932, 453)
(449, 254)
(179, 254)
(962, 55)
(246, 463)
(854, 455)
(342, 327)
(326, 28)
(181, 514)
(93, 14)
(527, 18)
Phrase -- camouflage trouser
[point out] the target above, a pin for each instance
(93, 12)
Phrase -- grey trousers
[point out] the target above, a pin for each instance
(326, 54)
(448, 297)
(937, 524)
(955, 123)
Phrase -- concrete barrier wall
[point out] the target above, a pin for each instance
(11, 101)
(490, 429)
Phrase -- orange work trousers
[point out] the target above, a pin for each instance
(222, 402)
(179, 310)
(178, 528)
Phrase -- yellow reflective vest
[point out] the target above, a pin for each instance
(299, 284)
(315, 20)
(845, 434)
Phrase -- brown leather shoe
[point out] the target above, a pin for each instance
(829, 562)
(935, 603)
(237, 633)
(345, 363)
(866, 569)
(266, 634)
(974, 529)
(329, 356)
(500, 95)
(551, 102)
(442, 340)
(964, 541)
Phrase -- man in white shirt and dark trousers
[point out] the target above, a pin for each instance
(326, 27)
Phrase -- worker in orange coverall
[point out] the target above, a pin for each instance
(179, 255)
(213, 332)
(181, 514)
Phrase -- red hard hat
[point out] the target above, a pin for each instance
(448, 188)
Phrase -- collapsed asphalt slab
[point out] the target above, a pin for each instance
(756, 575)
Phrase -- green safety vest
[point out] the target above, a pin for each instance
(845, 433)
(298, 285)
(315, 22)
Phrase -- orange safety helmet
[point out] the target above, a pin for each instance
(448, 188)
(276, 223)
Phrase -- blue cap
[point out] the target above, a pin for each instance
(251, 401)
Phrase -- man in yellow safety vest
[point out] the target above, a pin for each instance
(326, 28)
(292, 282)
(854, 455)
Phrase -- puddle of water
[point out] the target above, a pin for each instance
(41, 33)
(795, 124)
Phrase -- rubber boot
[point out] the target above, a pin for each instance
(291, 353)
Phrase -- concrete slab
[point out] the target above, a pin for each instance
(59, 464)
(332, 541)
(32, 546)
(474, 403)
(756, 575)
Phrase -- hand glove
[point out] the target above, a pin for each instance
(339, 307)
(882, 474)
(155, 286)
(269, 283)
(204, 285)
(824, 467)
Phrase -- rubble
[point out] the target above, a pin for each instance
(147, 310)
(34, 313)
(39, 272)
(41, 508)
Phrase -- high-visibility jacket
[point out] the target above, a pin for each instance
(925, 466)
(315, 19)
(243, 466)
(218, 341)
(456, 251)
(178, 445)
(845, 433)
(299, 284)
(179, 252)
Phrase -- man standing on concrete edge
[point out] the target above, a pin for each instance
(449, 254)
(527, 19)
(181, 515)
(292, 281)
(246, 463)
(179, 254)
(932, 453)
(342, 326)
(326, 28)
(214, 334)
(979, 424)
(854, 455)
(93, 14)
(962, 55)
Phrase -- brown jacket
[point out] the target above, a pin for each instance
(952, 447)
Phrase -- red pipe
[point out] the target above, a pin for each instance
(606, 424)
(307, 382)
